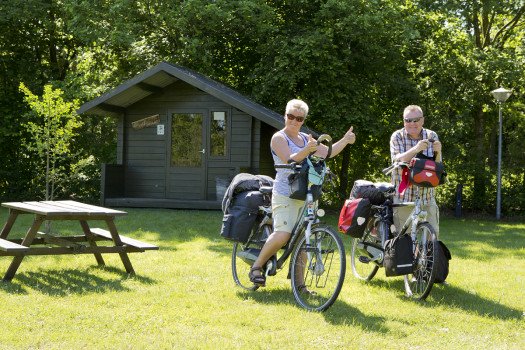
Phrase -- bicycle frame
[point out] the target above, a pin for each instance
(309, 215)
(416, 216)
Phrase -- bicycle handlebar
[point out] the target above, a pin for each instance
(395, 165)
(295, 166)
(292, 166)
(328, 139)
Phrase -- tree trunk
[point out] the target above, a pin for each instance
(343, 174)
(479, 156)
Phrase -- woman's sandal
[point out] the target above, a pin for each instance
(303, 290)
(259, 280)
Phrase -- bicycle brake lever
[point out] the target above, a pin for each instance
(388, 170)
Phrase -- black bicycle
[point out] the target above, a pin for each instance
(368, 251)
(318, 262)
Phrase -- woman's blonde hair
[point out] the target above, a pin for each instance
(297, 104)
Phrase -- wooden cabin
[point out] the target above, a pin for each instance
(181, 138)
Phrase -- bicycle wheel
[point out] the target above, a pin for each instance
(244, 255)
(420, 282)
(364, 250)
(318, 269)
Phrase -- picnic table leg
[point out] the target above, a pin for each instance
(28, 239)
(13, 214)
(91, 241)
(116, 238)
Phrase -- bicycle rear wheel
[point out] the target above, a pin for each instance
(419, 284)
(244, 255)
(318, 269)
(364, 250)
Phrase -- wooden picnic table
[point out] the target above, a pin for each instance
(40, 243)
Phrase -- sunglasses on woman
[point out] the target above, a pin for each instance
(294, 117)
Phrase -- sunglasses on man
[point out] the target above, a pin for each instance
(412, 120)
(294, 117)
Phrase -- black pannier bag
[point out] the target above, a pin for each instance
(238, 223)
(443, 257)
(399, 258)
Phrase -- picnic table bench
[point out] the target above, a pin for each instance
(41, 243)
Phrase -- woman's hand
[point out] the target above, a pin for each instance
(311, 146)
(349, 136)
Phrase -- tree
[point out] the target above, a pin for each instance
(52, 134)
(468, 49)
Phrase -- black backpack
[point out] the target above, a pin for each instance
(443, 257)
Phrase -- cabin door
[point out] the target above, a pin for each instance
(186, 174)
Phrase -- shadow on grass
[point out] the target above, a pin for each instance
(72, 281)
(459, 234)
(221, 248)
(13, 288)
(452, 297)
(340, 313)
(457, 298)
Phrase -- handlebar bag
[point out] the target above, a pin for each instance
(425, 172)
(298, 182)
(399, 259)
(353, 217)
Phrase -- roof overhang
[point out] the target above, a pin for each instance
(115, 102)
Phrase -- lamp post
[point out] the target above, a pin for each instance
(501, 95)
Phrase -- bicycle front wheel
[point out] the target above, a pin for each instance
(366, 252)
(244, 255)
(420, 282)
(318, 269)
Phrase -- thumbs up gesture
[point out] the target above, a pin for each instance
(350, 136)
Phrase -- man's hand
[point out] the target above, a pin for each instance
(437, 146)
(422, 145)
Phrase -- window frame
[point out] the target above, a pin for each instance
(227, 116)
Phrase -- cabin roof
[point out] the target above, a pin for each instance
(114, 102)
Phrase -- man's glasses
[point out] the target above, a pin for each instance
(412, 120)
(294, 117)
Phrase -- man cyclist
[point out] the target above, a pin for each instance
(405, 144)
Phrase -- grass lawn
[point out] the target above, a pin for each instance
(183, 296)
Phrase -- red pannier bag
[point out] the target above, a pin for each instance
(425, 172)
(353, 217)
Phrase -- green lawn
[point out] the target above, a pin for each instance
(184, 297)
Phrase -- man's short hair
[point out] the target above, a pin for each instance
(413, 108)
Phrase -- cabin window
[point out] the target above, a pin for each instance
(218, 134)
(186, 145)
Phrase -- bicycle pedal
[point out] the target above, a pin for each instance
(364, 259)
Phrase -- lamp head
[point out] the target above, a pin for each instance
(501, 94)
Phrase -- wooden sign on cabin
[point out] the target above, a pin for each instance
(144, 123)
